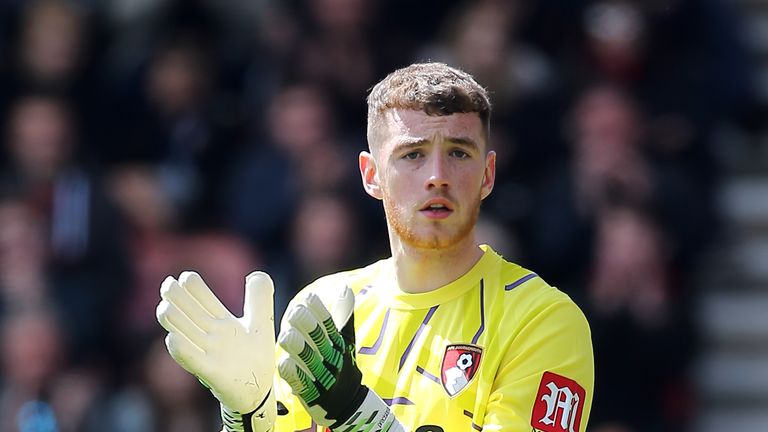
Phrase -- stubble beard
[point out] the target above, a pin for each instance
(400, 225)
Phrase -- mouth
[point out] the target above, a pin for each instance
(437, 208)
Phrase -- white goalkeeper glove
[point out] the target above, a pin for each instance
(233, 357)
(321, 368)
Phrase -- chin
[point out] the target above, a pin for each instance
(432, 241)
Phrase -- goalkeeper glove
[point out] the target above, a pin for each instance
(233, 357)
(321, 368)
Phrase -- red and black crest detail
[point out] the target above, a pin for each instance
(460, 364)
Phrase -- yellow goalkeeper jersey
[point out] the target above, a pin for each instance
(496, 350)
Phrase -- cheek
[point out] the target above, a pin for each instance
(394, 192)
(470, 179)
(395, 183)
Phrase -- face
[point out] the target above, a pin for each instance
(40, 136)
(431, 172)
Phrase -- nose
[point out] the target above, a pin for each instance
(437, 174)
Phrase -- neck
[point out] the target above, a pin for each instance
(423, 270)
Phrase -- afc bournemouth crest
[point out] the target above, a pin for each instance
(460, 363)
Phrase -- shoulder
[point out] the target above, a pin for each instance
(356, 279)
(535, 320)
(521, 296)
(525, 289)
(329, 287)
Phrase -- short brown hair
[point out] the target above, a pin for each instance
(435, 88)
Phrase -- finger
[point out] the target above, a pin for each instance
(174, 321)
(173, 293)
(296, 345)
(321, 313)
(203, 295)
(188, 355)
(166, 286)
(302, 318)
(259, 305)
(301, 384)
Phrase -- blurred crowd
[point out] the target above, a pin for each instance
(143, 138)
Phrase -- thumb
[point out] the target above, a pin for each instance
(343, 314)
(259, 304)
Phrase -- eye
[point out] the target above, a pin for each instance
(460, 154)
(412, 155)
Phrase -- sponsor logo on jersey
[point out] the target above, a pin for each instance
(558, 405)
(460, 364)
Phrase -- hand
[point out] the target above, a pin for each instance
(233, 357)
(321, 369)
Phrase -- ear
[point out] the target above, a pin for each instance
(370, 175)
(489, 175)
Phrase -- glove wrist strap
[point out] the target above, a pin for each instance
(262, 419)
(373, 414)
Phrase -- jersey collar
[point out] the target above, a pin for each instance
(395, 298)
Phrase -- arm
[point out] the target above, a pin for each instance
(546, 378)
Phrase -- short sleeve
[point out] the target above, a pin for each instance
(546, 377)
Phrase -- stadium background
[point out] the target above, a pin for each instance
(142, 138)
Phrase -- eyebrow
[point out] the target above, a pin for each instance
(460, 140)
(465, 141)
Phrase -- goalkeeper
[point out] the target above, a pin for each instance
(445, 335)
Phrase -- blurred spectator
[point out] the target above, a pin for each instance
(480, 37)
(616, 33)
(158, 248)
(346, 47)
(162, 397)
(84, 272)
(325, 233)
(179, 403)
(23, 256)
(609, 156)
(303, 152)
(76, 395)
(303, 127)
(55, 47)
(33, 349)
(597, 232)
(630, 268)
(51, 47)
(175, 125)
(687, 76)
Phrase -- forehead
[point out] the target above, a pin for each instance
(399, 125)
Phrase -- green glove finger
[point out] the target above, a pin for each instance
(296, 344)
(302, 318)
(321, 314)
(301, 384)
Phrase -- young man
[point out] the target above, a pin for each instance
(443, 336)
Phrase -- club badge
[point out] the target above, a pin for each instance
(460, 364)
